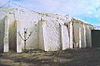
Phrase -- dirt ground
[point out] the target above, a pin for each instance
(70, 57)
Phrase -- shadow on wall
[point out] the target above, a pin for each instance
(95, 38)
(12, 36)
(2, 30)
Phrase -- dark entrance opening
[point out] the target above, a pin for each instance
(95, 38)
(12, 36)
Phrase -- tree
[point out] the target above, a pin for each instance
(25, 37)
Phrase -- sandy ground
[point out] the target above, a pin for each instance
(75, 57)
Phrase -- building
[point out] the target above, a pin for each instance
(49, 32)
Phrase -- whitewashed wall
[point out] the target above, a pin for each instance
(41, 35)
(52, 38)
(88, 35)
(64, 37)
(48, 31)
(45, 35)
(6, 35)
(27, 20)
(80, 34)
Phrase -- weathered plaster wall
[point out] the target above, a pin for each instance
(27, 20)
(2, 30)
(45, 35)
(81, 34)
(71, 34)
(52, 41)
(41, 34)
(11, 30)
(88, 36)
(6, 35)
(51, 31)
(64, 37)
(49, 34)
(12, 36)
(76, 38)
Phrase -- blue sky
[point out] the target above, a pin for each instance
(87, 10)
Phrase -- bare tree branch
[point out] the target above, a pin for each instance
(25, 38)
(29, 35)
(20, 36)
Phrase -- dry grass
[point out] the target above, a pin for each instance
(75, 57)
